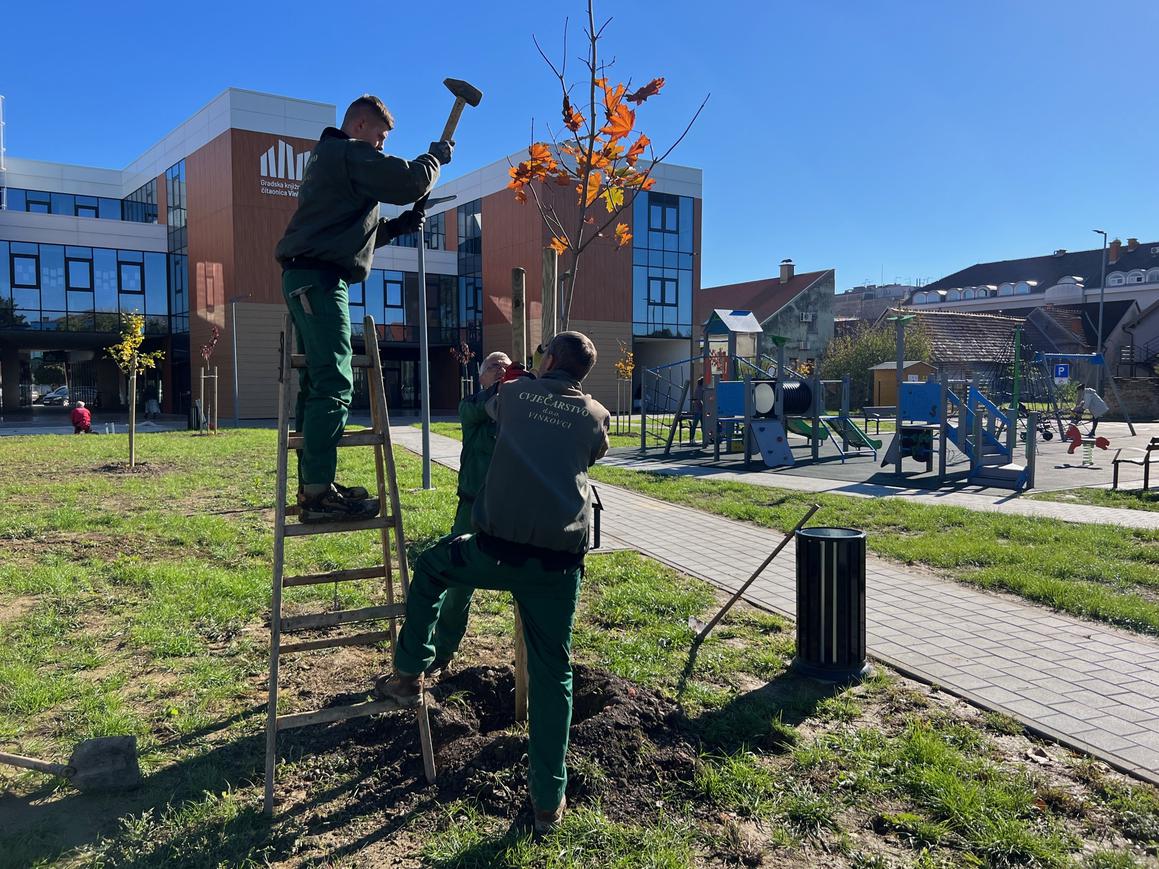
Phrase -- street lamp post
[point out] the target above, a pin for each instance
(1102, 296)
(424, 345)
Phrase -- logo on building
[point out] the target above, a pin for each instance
(282, 169)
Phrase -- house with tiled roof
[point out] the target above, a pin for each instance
(964, 346)
(795, 306)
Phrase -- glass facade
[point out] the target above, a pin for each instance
(52, 287)
(436, 234)
(391, 298)
(75, 205)
(178, 236)
(470, 223)
(662, 265)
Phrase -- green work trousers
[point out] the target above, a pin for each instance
(452, 623)
(547, 601)
(326, 384)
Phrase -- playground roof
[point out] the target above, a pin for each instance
(764, 297)
(892, 366)
(724, 320)
(959, 337)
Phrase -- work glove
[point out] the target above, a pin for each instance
(407, 222)
(442, 151)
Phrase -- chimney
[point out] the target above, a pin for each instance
(1060, 252)
(1113, 252)
(1132, 243)
(786, 270)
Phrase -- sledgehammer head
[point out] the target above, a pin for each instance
(464, 91)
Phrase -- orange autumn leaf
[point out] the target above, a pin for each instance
(637, 149)
(520, 195)
(613, 198)
(620, 122)
(622, 234)
(595, 178)
(649, 90)
(612, 97)
(559, 245)
(539, 152)
(572, 119)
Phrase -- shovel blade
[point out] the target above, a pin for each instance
(105, 763)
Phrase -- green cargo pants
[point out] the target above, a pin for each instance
(326, 384)
(547, 601)
(453, 614)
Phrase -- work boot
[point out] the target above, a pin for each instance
(356, 492)
(549, 821)
(437, 668)
(332, 506)
(406, 691)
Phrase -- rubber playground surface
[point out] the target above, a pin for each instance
(1055, 468)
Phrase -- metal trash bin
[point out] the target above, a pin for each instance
(831, 604)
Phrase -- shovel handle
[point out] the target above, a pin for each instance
(59, 769)
(699, 638)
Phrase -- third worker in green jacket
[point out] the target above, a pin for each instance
(474, 460)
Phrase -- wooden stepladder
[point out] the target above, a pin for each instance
(321, 626)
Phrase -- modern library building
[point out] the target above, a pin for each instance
(185, 236)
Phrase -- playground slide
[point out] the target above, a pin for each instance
(852, 432)
(804, 427)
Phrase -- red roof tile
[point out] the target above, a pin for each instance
(764, 297)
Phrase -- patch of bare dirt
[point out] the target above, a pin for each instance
(147, 469)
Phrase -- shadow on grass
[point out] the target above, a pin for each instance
(185, 814)
(764, 719)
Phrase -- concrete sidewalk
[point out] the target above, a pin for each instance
(1086, 685)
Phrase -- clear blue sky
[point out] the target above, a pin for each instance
(904, 139)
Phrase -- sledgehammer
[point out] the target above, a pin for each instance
(465, 94)
(104, 763)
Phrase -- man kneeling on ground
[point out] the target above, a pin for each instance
(533, 518)
(478, 444)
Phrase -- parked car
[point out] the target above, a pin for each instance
(63, 396)
(57, 396)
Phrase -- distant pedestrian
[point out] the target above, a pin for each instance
(82, 419)
(1090, 402)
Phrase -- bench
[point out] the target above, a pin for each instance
(877, 414)
(1143, 460)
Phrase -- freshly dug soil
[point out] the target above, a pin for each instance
(628, 746)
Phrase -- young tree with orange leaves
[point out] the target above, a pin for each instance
(598, 154)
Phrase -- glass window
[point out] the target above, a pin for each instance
(63, 203)
(80, 274)
(156, 285)
(87, 206)
(52, 276)
(394, 291)
(354, 295)
(132, 277)
(26, 300)
(105, 279)
(80, 301)
(109, 209)
(372, 297)
(25, 270)
(39, 203)
(15, 198)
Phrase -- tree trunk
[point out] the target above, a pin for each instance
(133, 415)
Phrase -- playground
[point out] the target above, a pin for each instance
(1008, 428)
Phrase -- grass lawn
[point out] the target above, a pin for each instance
(135, 603)
(1100, 571)
(1128, 498)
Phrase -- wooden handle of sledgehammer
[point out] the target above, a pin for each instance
(699, 638)
(59, 769)
(453, 120)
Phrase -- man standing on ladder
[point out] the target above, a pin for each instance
(328, 245)
(478, 445)
(533, 517)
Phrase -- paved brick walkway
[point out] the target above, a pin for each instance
(1086, 685)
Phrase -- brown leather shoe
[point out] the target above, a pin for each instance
(549, 821)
